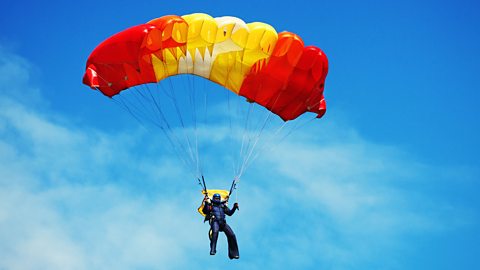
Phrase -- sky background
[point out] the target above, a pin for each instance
(388, 179)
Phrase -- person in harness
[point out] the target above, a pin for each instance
(215, 211)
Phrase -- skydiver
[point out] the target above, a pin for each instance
(215, 211)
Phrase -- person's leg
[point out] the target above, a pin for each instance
(232, 242)
(213, 242)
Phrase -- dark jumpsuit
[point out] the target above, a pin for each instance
(216, 212)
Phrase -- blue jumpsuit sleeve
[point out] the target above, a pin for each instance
(207, 208)
(228, 211)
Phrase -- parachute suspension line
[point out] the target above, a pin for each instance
(143, 107)
(122, 104)
(181, 119)
(206, 97)
(237, 181)
(264, 147)
(136, 112)
(246, 163)
(193, 104)
(172, 132)
(240, 132)
(138, 95)
(163, 124)
(296, 126)
(205, 108)
(205, 92)
(233, 187)
(255, 138)
(162, 120)
(130, 107)
(247, 160)
(183, 115)
(192, 152)
(245, 132)
(245, 138)
(232, 134)
(253, 133)
(172, 136)
(236, 192)
(143, 101)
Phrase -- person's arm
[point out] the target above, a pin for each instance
(229, 211)
(207, 207)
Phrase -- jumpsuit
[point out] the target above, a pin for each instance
(216, 211)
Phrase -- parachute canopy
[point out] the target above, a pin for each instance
(274, 70)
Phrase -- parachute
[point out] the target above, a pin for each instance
(273, 70)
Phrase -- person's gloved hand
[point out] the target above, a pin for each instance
(235, 205)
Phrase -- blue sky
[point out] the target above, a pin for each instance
(388, 179)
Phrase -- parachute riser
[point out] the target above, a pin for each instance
(233, 186)
(203, 185)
